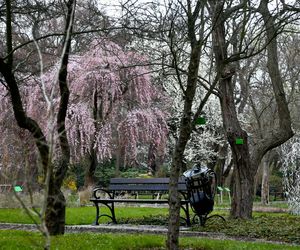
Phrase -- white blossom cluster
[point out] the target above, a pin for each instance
(201, 146)
(291, 173)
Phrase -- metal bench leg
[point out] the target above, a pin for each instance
(112, 210)
(97, 214)
(204, 218)
(216, 215)
(185, 208)
(187, 219)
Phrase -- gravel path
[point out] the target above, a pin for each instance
(134, 229)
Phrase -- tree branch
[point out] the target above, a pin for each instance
(64, 94)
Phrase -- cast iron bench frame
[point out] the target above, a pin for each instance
(151, 185)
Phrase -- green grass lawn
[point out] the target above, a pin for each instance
(270, 226)
(272, 204)
(86, 215)
(25, 240)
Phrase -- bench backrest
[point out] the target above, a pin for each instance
(144, 184)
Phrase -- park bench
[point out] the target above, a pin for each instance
(135, 186)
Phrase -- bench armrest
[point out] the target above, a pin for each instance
(97, 192)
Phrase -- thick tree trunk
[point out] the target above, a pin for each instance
(245, 165)
(241, 206)
(243, 177)
(242, 200)
(55, 211)
(56, 203)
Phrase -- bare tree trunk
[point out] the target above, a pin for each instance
(119, 160)
(220, 164)
(152, 159)
(246, 165)
(265, 181)
(257, 178)
(174, 203)
(185, 132)
(226, 175)
(56, 204)
(89, 177)
(243, 188)
(242, 203)
(186, 126)
(56, 210)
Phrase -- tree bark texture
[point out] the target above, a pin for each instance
(265, 182)
(56, 205)
(152, 159)
(89, 177)
(55, 211)
(242, 202)
(220, 165)
(184, 135)
(246, 165)
(21, 117)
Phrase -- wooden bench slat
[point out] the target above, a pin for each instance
(135, 200)
(144, 187)
(137, 188)
(143, 180)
